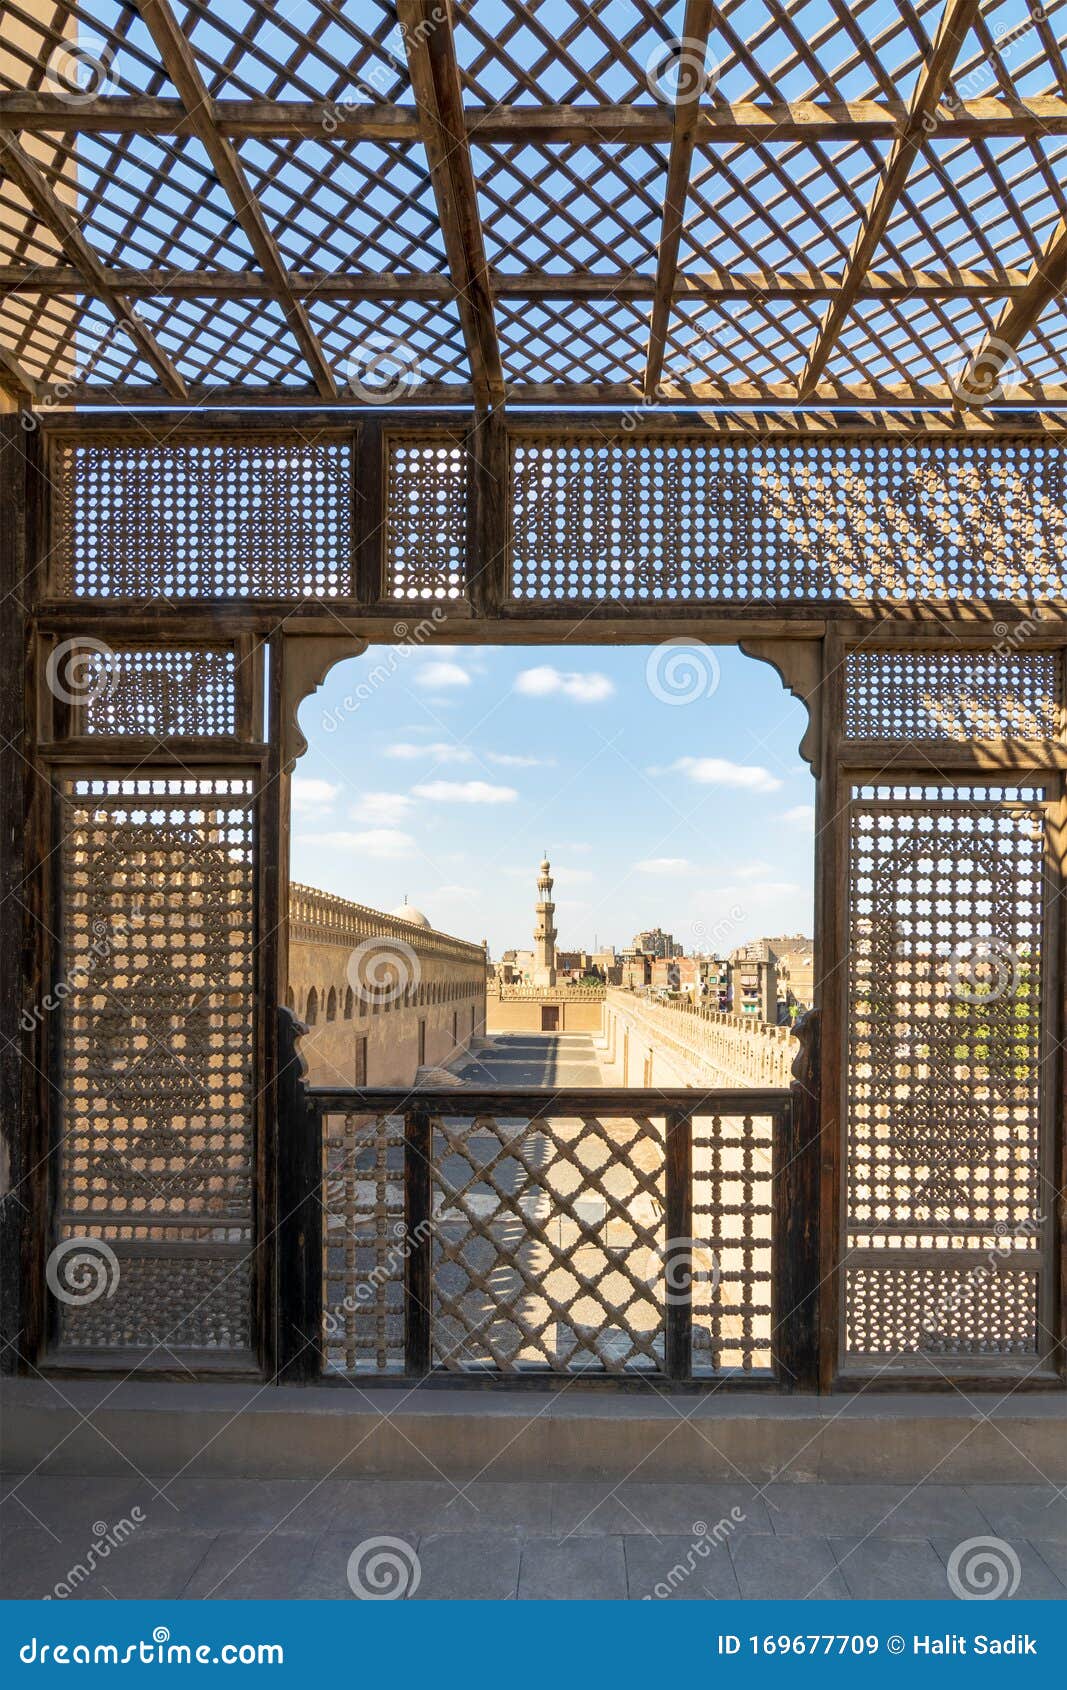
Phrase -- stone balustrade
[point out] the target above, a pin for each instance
(551, 994)
(700, 1045)
(323, 918)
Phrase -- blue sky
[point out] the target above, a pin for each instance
(665, 783)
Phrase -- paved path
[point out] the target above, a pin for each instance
(534, 1059)
(280, 1538)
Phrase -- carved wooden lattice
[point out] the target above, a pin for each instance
(363, 1243)
(157, 1045)
(262, 520)
(944, 1126)
(954, 695)
(158, 691)
(718, 521)
(426, 519)
(732, 1216)
(548, 1244)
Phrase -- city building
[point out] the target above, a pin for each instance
(544, 968)
(656, 943)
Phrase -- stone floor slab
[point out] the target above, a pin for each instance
(252, 1505)
(898, 1569)
(249, 1566)
(589, 1568)
(596, 1509)
(488, 1505)
(796, 1569)
(477, 1567)
(1027, 1511)
(34, 1566)
(839, 1510)
(679, 1569)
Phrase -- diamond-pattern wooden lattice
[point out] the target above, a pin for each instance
(813, 201)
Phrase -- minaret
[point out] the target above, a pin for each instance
(544, 973)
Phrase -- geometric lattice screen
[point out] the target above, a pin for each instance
(696, 518)
(947, 1203)
(156, 1063)
(212, 520)
(953, 695)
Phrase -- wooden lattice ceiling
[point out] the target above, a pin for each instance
(844, 202)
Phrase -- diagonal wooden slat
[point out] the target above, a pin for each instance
(956, 20)
(1045, 282)
(691, 49)
(30, 180)
(180, 65)
(431, 53)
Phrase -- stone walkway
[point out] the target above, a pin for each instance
(283, 1538)
(534, 1059)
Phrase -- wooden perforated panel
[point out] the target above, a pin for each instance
(946, 1204)
(954, 695)
(155, 690)
(363, 1243)
(157, 1040)
(251, 520)
(426, 519)
(721, 521)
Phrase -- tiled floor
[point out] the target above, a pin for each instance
(244, 1538)
(534, 1059)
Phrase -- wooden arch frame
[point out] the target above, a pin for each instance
(805, 642)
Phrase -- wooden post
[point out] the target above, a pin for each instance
(678, 1247)
(298, 1337)
(418, 1270)
(796, 1211)
(488, 586)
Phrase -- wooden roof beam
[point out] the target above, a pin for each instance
(14, 379)
(747, 120)
(692, 49)
(180, 64)
(429, 43)
(934, 78)
(31, 182)
(1044, 283)
(524, 284)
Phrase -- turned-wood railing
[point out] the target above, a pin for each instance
(527, 1234)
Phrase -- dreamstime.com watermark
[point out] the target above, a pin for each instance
(409, 639)
(934, 1336)
(383, 971)
(983, 1569)
(382, 1274)
(105, 1539)
(682, 671)
(81, 1270)
(158, 1650)
(680, 1265)
(105, 933)
(383, 1569)
(706, 1539)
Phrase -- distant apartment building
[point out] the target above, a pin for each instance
(753, 986)
(655, 943)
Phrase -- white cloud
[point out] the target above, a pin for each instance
(753, 871)
(545, 682)
(719, 771)
(387, 842)
(512, 760)
(664, 865)
(311, 794)
(457, 895)
(437, 675)
(572, 876)
(801, 815)
(465, 792)
(384, 809)
(440, 750)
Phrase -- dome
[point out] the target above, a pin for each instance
(408, 912)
